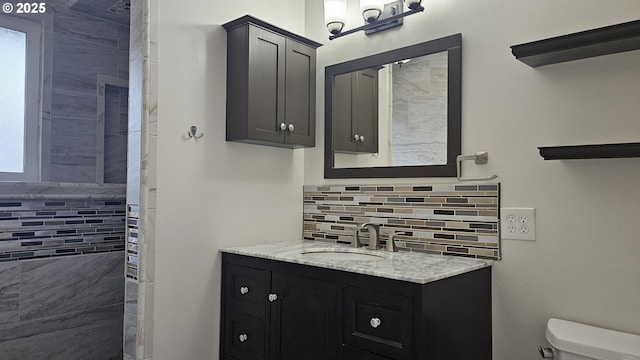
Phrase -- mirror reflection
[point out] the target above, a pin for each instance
(395, 114)
(400, 106)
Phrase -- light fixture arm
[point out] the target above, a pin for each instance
(378, 23)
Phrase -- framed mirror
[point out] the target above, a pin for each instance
(396, 113)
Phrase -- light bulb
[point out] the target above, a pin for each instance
(335, 13)
(412, 4)
(371, 9)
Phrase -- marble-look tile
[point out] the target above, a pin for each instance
(94, 334)
(76, 63)
(130, 318)
(30, 190)
(133, 166)
(86, 28)
(9, 291)
(74, 104)
(62, 285)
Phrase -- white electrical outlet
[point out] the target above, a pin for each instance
(518, 223)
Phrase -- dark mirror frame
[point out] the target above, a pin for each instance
(453, 45)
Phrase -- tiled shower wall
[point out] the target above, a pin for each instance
(61, 271)
(447, 219)
(78, 49)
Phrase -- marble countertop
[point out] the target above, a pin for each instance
(413, 267)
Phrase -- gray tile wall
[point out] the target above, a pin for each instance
(62, 308)
(82, 48)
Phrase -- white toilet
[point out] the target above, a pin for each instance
(574, 341)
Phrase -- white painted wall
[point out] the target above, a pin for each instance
(211, 193)
(584, 265)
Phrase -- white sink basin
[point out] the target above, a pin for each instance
(341, 254)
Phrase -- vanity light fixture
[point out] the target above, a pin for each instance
(377, 14)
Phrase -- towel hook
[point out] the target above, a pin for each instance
(480, 158)
(193, 132)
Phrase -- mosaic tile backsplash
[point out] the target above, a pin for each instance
(447, 219)
(39, 228)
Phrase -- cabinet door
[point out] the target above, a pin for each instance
(305, 320)
(378, 322)
(266, 85)
(300, 94)
(343, 113)
(245, 337)
(246, 290)
(366, 103)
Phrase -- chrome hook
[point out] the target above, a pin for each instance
(193, 132)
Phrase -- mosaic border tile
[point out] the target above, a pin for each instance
(42, 228)
(133, 218)
(447, 219)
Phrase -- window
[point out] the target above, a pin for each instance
(19, 99)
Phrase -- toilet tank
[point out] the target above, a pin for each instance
(575, 341)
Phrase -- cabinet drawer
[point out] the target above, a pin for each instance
(349, 353)
(246, 290)
(244, 337)
(378, 322)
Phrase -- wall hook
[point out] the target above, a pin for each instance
(480, 158)
(193, 132)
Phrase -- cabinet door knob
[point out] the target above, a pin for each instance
(244, 290)
(291, 128)
(356, 137)
(273, 297)
(375, 322)
(283, 127)
(361, 138)
(243, 337)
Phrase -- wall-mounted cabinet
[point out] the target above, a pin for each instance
(355, 112)
(270, 85)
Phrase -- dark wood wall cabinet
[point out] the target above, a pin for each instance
(601, 41)
(355, 112)
(270, 85)
(284, 311)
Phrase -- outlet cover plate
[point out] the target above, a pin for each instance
(518, 223)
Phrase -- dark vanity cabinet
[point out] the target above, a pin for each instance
(355, 112)
(284, 311)
(270, 85)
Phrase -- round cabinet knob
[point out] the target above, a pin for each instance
(283, 127)
(273, 297)
(361, 138)
(244, 290)
(291, 128)
(356, 137)
(243, 337)
(375, 322)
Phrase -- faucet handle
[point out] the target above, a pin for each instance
(391, 243)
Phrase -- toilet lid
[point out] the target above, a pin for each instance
(591, 341)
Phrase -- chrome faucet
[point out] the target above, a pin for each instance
(373, 229)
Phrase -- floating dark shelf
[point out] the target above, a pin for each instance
(600, 151)
(601, 41)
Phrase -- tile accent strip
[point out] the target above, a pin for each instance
(447, 219)
(133, 216)
(41, 228)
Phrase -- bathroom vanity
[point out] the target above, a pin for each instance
(280, 303)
